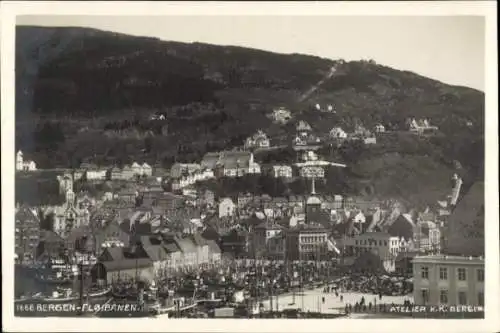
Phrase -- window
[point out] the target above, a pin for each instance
(385, 243)
(425, 295)
(462, 298)
(443, 273)
(443, 297)
(480, 275)
(425, 272)
(480, 298)
(462, 275)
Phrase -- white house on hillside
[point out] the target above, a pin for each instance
(24, 165)
(338, 133)
(379, 128)
(258, 140)
(281, 115)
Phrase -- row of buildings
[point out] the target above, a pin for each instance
(151, 257)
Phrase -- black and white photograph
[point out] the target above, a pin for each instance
(250, 165)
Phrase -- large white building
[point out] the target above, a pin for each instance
(456, 277)
(227, 207)
(382, 244)
(448, 280)
(24, 165)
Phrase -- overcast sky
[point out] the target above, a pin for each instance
(447, 48)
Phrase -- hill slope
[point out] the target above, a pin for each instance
(84, 93)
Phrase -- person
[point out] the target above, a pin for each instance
(341, 298)
(370, 306)
(323, 299)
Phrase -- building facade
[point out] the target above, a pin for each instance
(448, 280)
(306, 243)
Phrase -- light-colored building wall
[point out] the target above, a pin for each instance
(448, 280)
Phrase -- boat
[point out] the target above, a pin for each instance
(53, 279)
(125, 294)
(28, 299)
(56, 296)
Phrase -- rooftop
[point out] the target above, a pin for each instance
(440, 258)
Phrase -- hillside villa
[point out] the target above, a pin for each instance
(281, 115)
(258, 140)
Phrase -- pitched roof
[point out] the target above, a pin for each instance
(50, 237)
(402, 227)
(186, 245)
(171, 248)
(124, 264)
(198, 239)
(115, 253)
(156, 252)
(213, 246)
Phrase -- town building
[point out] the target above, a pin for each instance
(282, 171)
(448, 280)
(211, 160)
(312, 166)
(338, 133)
(244, 199)
(94, 173)
(112, 236)
(125, 269)
(306, 242)
(269, 241)
(27, 233)
(370, 140)
(420, 126)
(128, 172)
(226, 207)
(69, 216)
(146, 170)
(179, 169)
(137, 168)
(115, 174)
(51, 245)
(238, 164)
(24, 165)
(382, 244)
(303, 128)
(258, 140)
(281, 115)
(379, 128)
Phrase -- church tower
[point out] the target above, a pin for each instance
(313, 206)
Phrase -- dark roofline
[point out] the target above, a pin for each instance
(123, 264)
